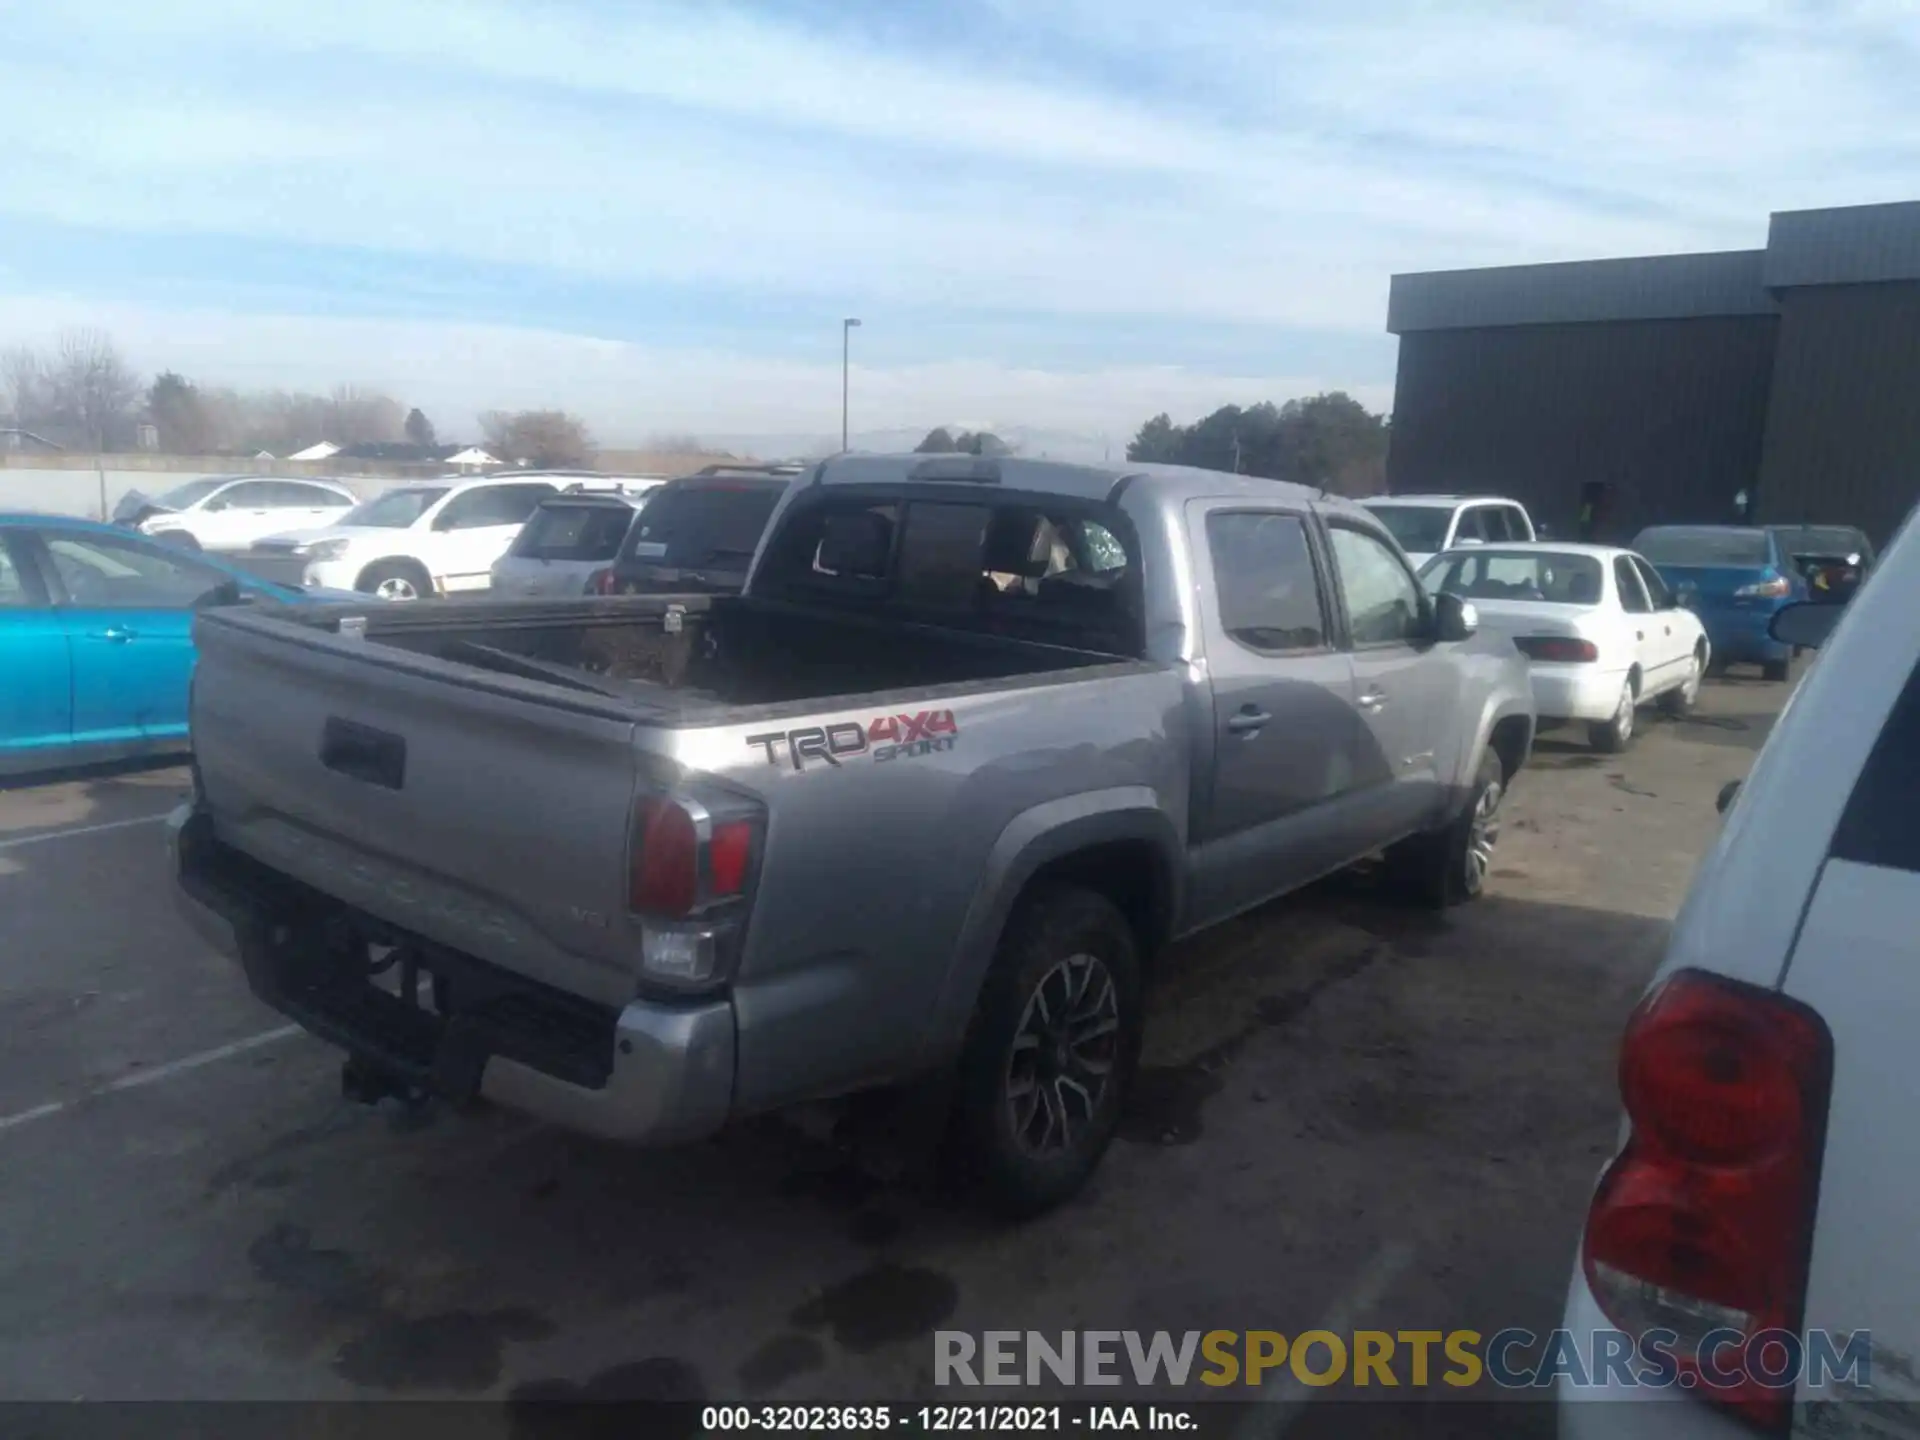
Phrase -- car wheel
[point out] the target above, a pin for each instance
(1610, 737)
(1050, 1053)
(1450, 866)
(1775, 670)
(1679, 701)
(395, 580)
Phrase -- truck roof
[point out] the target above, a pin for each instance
(1437, 501)
(1059, 477)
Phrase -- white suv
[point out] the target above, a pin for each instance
(1771, 1153)
(1427, 524)
(231, 512)
(429, 538)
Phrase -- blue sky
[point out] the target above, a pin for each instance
(1055, 214)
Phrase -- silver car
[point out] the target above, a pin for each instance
(569, 538)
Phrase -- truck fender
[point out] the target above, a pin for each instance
(1031, 840)
(1501, 705)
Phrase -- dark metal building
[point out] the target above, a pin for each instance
(1776, 384)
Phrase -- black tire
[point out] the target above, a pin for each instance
(1775, 670)
(386, 578)
(1679, 701)
(1434, 869)
(1009, 1167)
(1610, 737)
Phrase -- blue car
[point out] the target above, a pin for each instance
(1734, 577)
(96, 639)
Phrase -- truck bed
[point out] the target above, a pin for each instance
(685, 659)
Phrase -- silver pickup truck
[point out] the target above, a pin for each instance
(916, 809)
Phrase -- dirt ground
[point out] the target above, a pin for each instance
(1351, 1109)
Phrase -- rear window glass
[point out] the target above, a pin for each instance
(1881, 824)
(574, 532)
(1553, 577)
(1677, 545)
(1822, 540)
(696, 525)
(1038, 569)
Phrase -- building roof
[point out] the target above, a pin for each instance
(1851, 245)
(325, 450)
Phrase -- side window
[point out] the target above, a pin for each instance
(1383, 602)
(98, 571)
(1263, 573)
(13, 585)
(1657, 591)
(1633, 594)
(292, 495)
(492, 505)
(1470, 525)
(247, 495)
(1104, 552)
(1881, 824)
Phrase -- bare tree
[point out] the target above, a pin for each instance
(544, 439)
(23, 386)
(363, 417)
(91, 389)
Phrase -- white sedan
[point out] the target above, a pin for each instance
(1603, 632)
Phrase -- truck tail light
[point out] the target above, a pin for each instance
(601, 582)
(1704, 1221)
(1557, 648)
(1772, 588)
(689, 881)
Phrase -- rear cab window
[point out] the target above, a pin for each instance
(1044, 568)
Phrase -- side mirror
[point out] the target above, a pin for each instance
(1454, 618)
(1806, 623)
(1727, 793)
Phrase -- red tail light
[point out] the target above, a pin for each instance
(1559, 648)
(1704, 1221)
(666, 861)
(671, 852)
(601, 582)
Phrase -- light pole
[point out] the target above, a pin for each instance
(846, 343)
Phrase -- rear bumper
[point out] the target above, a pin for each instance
(1575, 692)
(646, 1074)
(1739, 635)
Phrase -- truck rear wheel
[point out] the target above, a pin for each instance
(1050, 1052)
(1449, 866)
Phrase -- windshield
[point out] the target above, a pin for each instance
(1703, 546)
(396, 509)
(1822, 540)
(1419, 528)
(181, 496)
(703, 524)
(1553, 577)
(560, 530)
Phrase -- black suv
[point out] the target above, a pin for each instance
(697, 534)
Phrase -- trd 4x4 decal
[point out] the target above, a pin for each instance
(889, 737)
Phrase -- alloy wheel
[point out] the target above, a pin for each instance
(1063, 1056)
(1483, 833)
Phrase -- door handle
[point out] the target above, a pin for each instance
(1639, 634)
(116, 633)
(1248, 720)
(1373, 701)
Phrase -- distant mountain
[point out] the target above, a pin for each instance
(1034, 442)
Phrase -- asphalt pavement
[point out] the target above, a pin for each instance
(1351, 1109)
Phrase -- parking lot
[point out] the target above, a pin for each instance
(1353, 1112)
